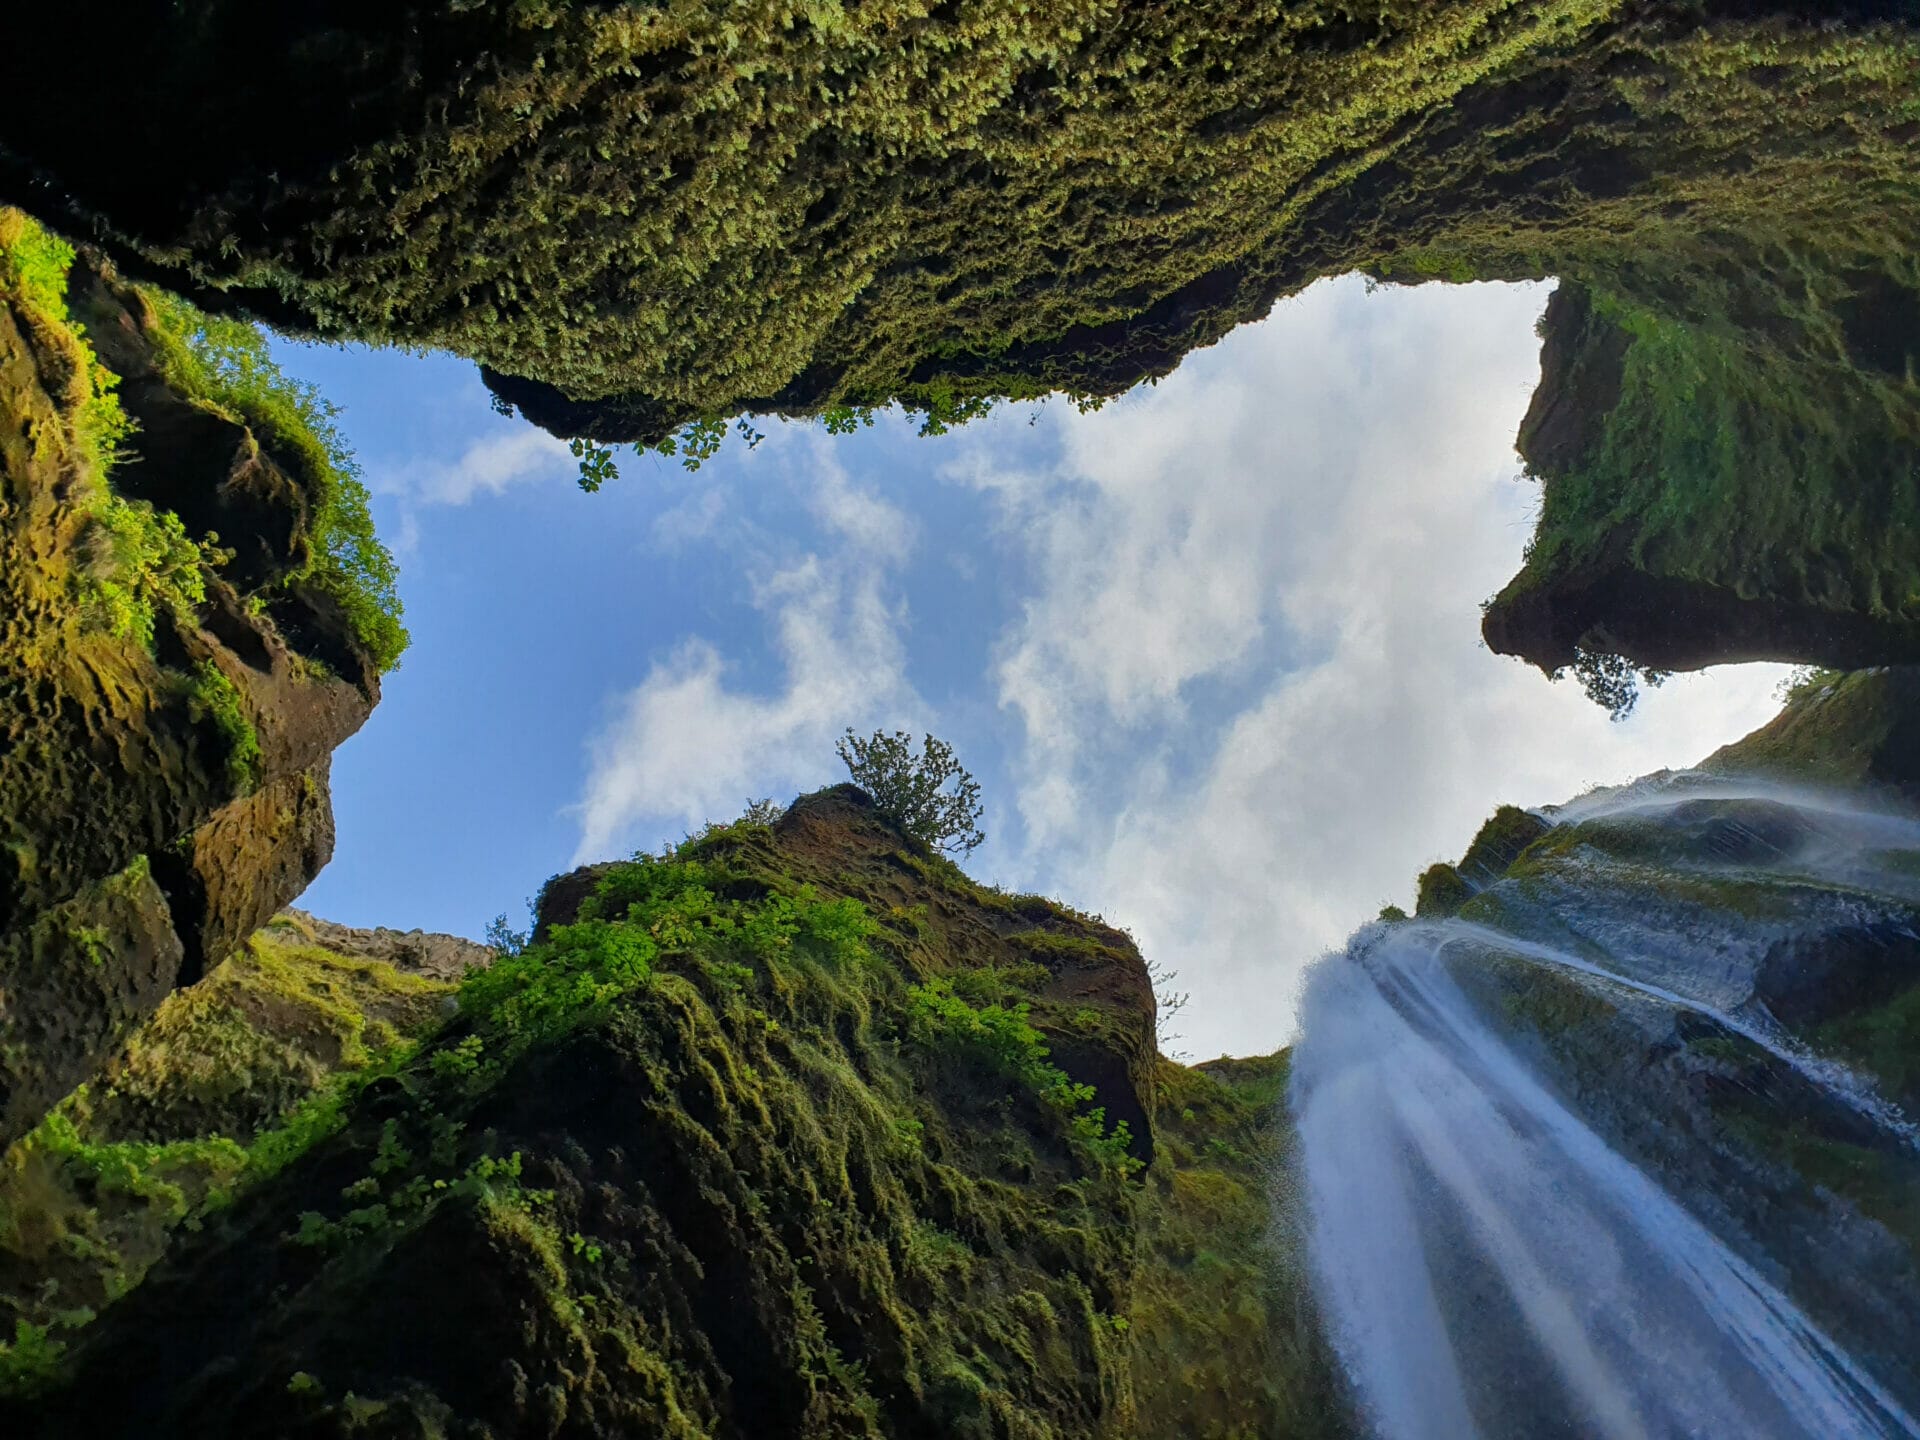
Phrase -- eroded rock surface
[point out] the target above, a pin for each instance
(796, 1132)
(162, 798)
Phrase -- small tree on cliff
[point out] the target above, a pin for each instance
(911, 789)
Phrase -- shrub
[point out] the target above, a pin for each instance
(31, 1362)
(1001, 1039)
(911, 790)
(225, 363)
(140, 562)
(762, 812)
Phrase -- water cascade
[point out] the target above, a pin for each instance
(1597, 1156)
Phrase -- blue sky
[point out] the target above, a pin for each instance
(1212, 651)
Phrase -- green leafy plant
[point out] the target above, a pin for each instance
(461, 1058)
(141, 563)
(762, 812)
(912, 789)
(34, 263)
(30, 1362)
(596, 463)
(215, 697)
(1002, 1039)
(503, 937)
(226, 363)
(846, 419)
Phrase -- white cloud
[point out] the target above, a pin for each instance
(1306, 519)
(687, 744)
(695, 518)
(1239, 668)
(868, 523)
(491, 465)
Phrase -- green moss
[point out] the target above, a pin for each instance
(144, 564)
(712, 202)
(1853, 729)
(1558, 1007)
(1882, 1039)
(30, 1362)
(1500, 842)
(138, 561)
(216, 698)
(33, 266)
(1441, 892)
(1001, 1039)
(225, 364)
(1748, 449)
(93, 1196)
(729, 1143)
(1079, 947)
(1881, 1186)
(727, 1134)
(1222, 1341)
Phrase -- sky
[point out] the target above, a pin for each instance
(1212, 651)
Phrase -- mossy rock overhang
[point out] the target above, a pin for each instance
(1859, 730)
(1728, 476)
(639, 217)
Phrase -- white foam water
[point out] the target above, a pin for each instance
(1489, 1266)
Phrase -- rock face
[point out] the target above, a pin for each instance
(1726, 485)
(741, 209)
(160, 796)
(93, 1195)
(800, 1173)
(415, 952)
(1860, 730)
(798, 1132)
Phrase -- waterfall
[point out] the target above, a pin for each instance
(1526, 1216)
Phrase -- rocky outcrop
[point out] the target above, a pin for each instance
(798, 1131)
(93, 1196)
(413, 952)
(1226, 1339)
(743, 212)
(1666, 623)
(162, 795)
(747, 211)
(1443, 888)
(1727, 485)
(1860, 730)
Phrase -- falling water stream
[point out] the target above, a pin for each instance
(1524, 1226)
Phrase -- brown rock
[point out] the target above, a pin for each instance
(419, 952)
(109, 756)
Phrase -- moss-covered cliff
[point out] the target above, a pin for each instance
(1860, 731)
(1226, 1344)
(643, 220)
(1733, 476)
(641, 216)
(795, 1131)
(180, 652)
(90, 1198)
